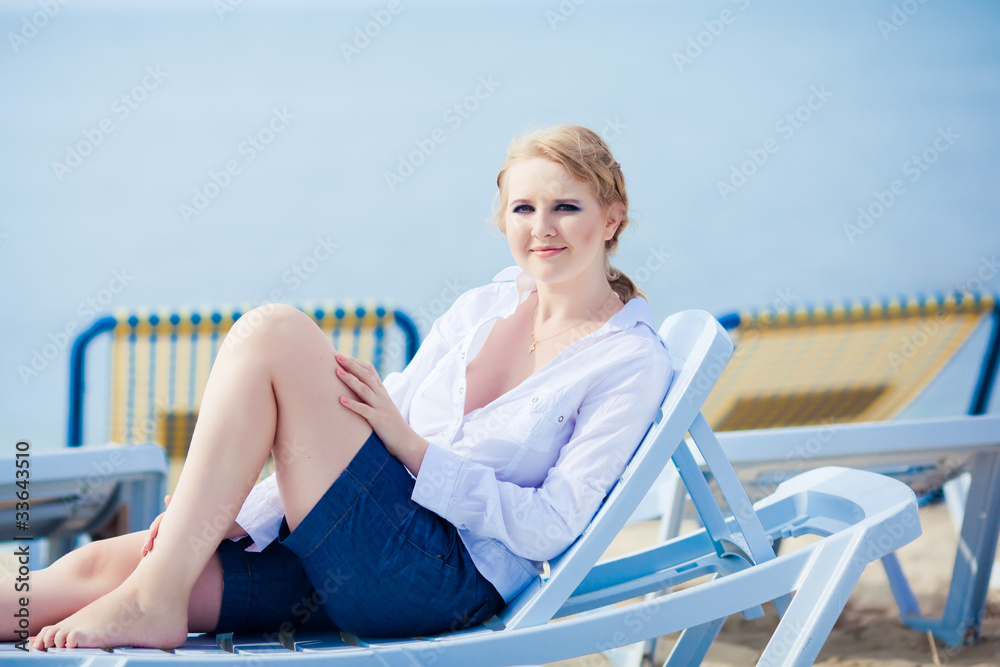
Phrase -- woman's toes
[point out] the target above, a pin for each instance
(59, 641)
(45, 637)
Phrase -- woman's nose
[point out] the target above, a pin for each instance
(543, 225)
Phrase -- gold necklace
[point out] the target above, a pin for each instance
(534, 341)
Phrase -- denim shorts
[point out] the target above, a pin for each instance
(366, 560)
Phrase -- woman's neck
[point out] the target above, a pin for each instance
(588, 298)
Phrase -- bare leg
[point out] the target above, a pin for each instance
(84, 575)
(273, 385)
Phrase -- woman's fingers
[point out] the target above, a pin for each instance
(154, 528)
(353, 381)
(364, 387)
(148, 542)
(360, 407)
(362, 369)
(375, 405)
(360, 376)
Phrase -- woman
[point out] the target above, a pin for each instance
(409, 507)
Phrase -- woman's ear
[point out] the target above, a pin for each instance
(614, 219)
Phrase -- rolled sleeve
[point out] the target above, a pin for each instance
(436, 481)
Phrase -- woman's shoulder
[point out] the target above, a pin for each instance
(636, 341)
(635, 320)
(640, 347)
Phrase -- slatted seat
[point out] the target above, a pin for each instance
(160, 363)
(848, 362)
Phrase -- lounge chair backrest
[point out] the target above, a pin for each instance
(160, 364)
(850, 362)
(699, 349)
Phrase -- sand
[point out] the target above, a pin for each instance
(869, 633)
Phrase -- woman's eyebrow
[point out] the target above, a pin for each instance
(576, 202)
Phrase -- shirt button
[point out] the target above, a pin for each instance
(461, 390)
(534, 400)
(463, 355)
(560, 419)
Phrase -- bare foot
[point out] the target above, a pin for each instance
(134, 614)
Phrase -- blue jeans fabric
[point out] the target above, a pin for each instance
(366, 560)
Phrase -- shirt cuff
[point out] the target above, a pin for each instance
(261, 514)
(435, 483)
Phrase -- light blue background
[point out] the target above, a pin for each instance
(779, 236)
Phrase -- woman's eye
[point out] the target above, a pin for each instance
(523, 208)
(567, 207)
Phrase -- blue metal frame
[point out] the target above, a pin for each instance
(988, 371)
(78, 359)
(410, 331)
(729, 321)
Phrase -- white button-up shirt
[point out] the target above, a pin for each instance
(522, 476)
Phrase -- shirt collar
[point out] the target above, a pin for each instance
(635, 312)
(523, 282)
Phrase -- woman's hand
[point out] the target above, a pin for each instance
(378, 409)
(154, 528)
(236, 530)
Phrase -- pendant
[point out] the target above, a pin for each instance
(532, 344)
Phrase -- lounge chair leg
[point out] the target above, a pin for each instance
(961, 622)
(956, 496)
(829, 579)
(907, 602)
(694, 643)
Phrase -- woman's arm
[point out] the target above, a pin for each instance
(540, 523)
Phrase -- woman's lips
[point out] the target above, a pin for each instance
(548, 252)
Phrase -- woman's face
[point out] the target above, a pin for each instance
(555, 226)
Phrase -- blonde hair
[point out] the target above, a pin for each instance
(587, 158)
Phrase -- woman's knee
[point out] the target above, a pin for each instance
(275, 326)
(85, 562)
(103, 558)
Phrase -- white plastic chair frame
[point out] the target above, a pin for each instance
(863, 517)
(925, 453)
